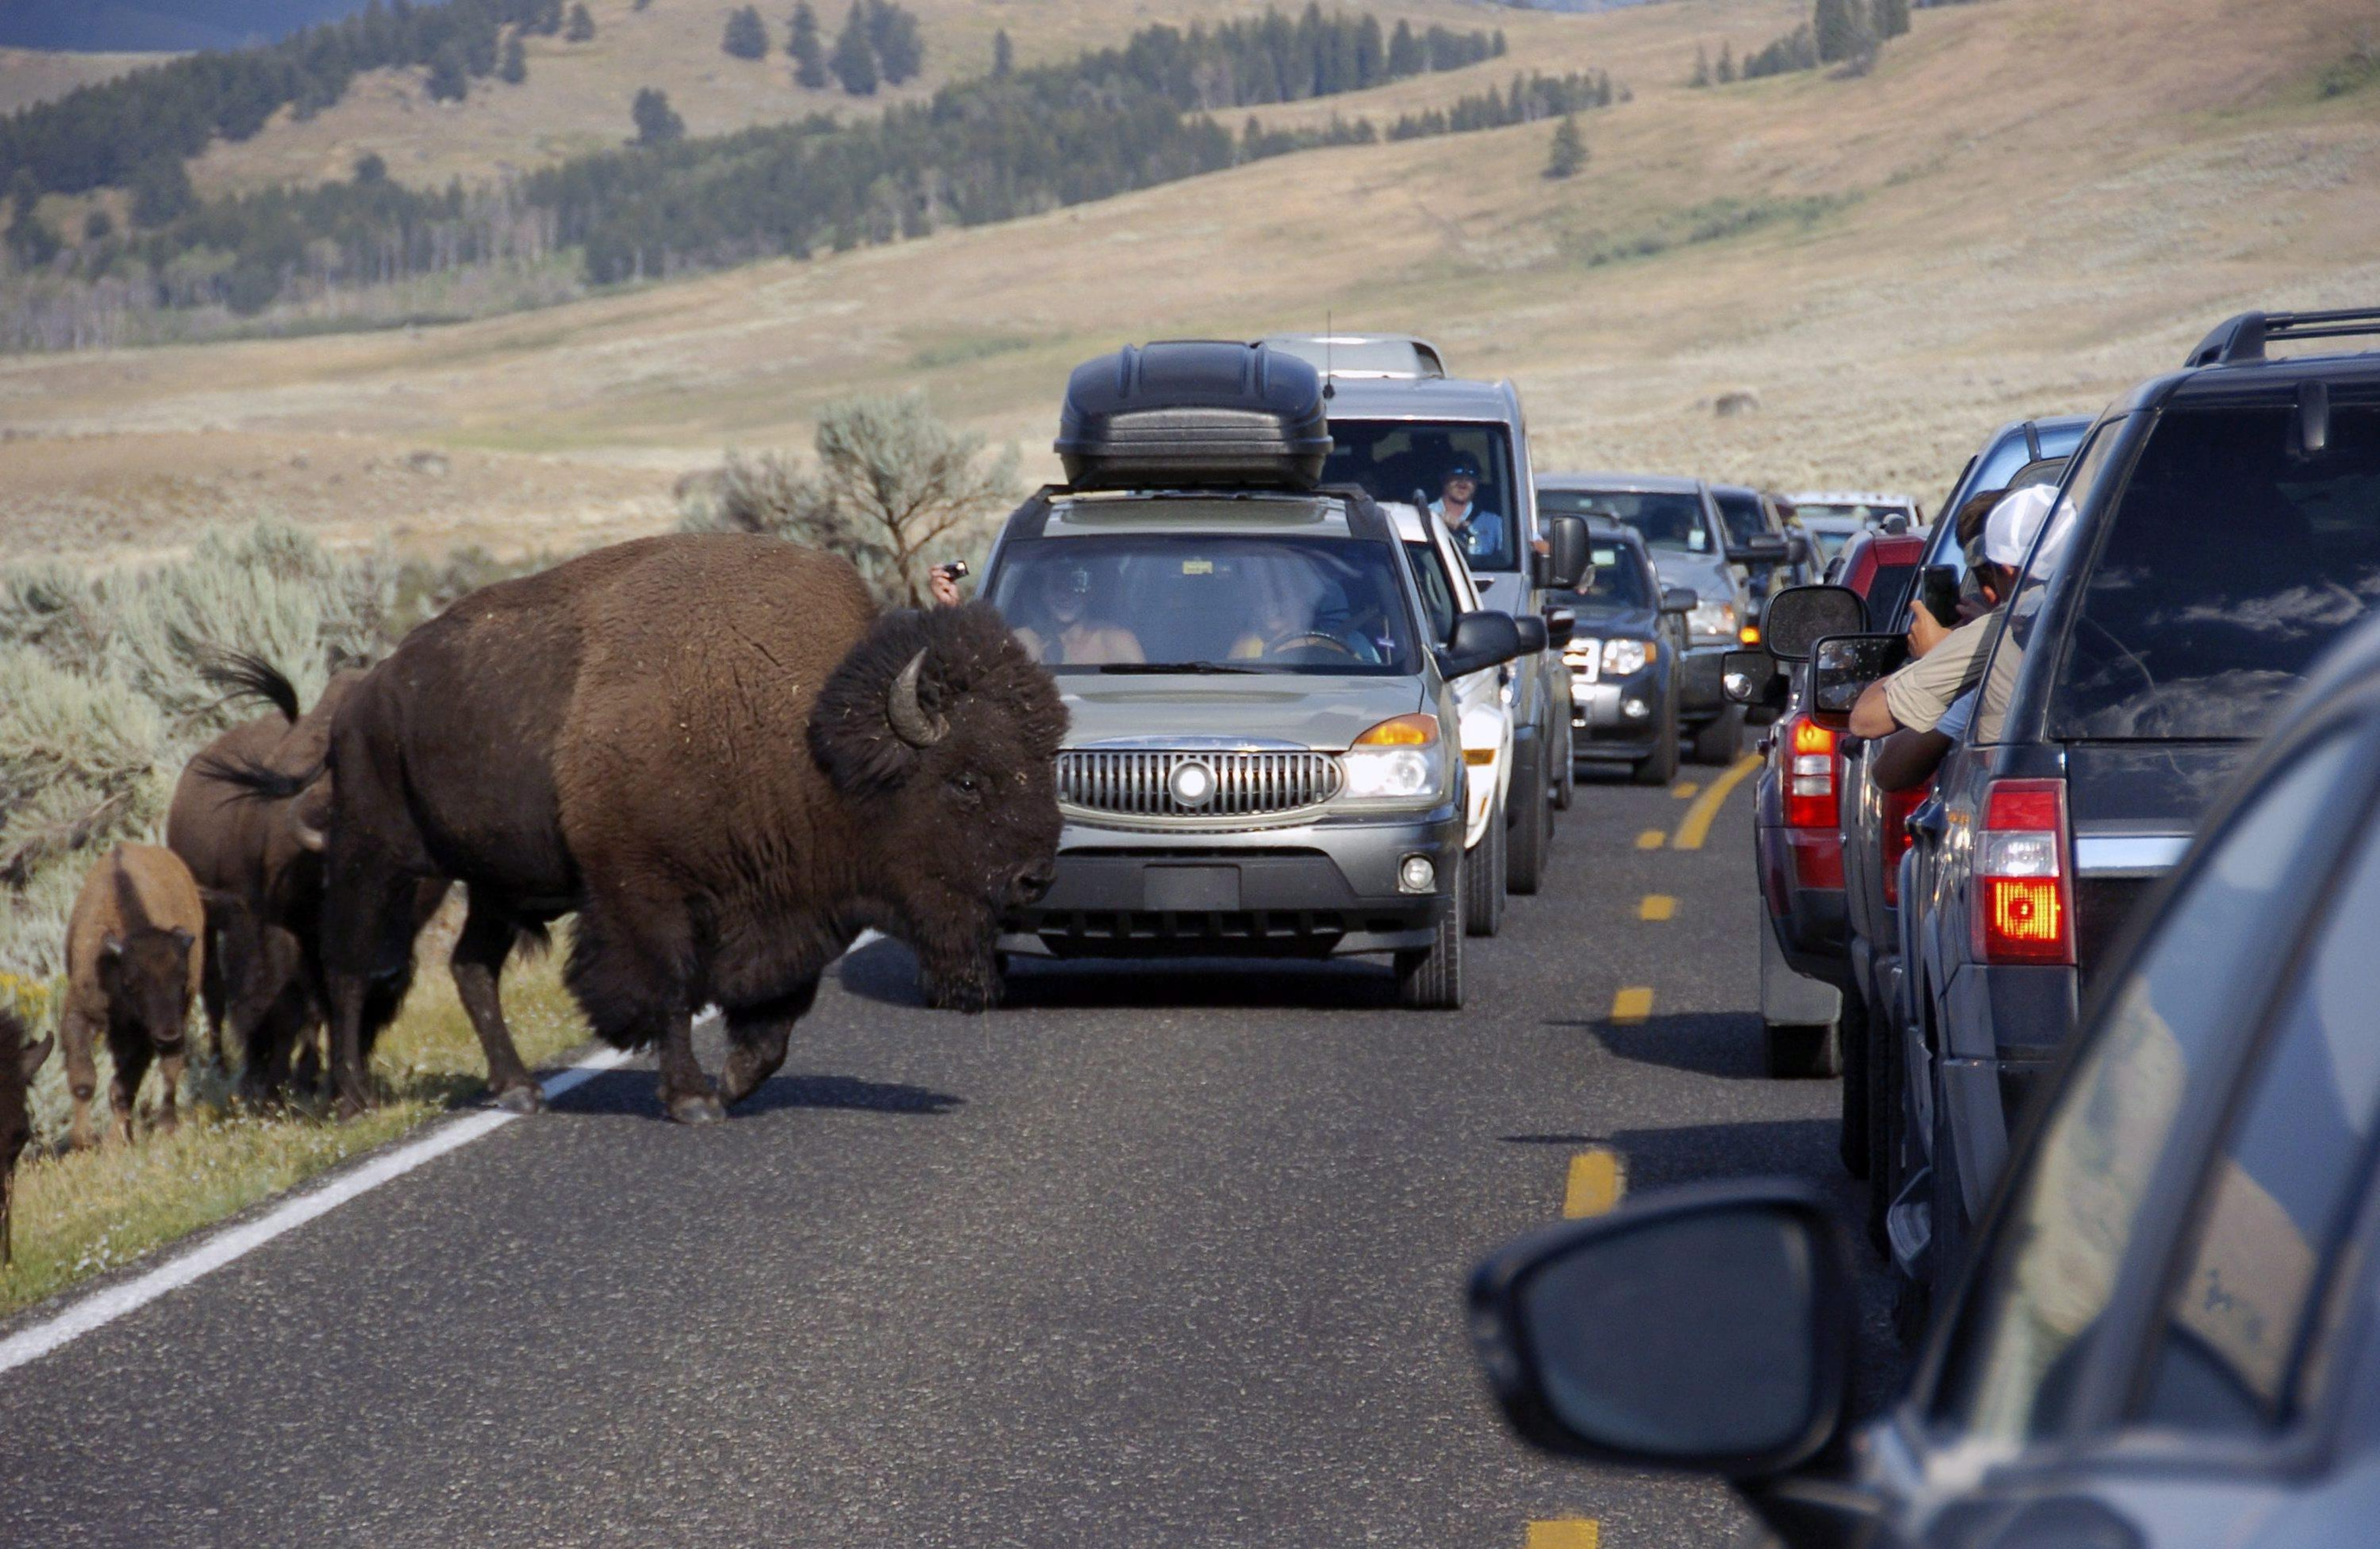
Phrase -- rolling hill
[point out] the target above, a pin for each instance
(2026, 205)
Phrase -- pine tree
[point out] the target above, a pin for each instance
(1406, 56)
(1836, 28)
(448, 80)
(1702, 76)
(657, 123)
(514, 69)
(162, 191)
(545, 18)
(853, 60)
(1004, 56)
(1892, 18)
(893, 32)
(746, 37)
(581, 27)
(809, 53)
(370, 167)
(1725, 74)
(1569, 151)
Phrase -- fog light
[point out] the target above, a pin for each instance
(1418, 875)
(1635, 709)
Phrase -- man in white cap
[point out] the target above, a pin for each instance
(1947, 663)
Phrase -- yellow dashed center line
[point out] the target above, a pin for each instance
(1699, 817)
(1632, 1004)
(1598, 1180)
(1652, 839)
(1656, 905)
(1565, 1532)
(1685, 789)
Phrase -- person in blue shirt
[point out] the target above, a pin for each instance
(1478, 532)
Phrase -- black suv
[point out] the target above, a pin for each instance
(2217, 530)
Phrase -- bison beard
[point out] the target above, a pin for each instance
(714, 751)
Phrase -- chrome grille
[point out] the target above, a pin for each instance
(1140, 783)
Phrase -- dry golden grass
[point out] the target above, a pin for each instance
(2028, 205)
(37, 74)
(84, 1213)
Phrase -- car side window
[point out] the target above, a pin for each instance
(2282, 1192)
(1437, 591)
(2023, 608)
(2050, 1267)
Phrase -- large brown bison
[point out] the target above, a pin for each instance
(18, 1061)
(259, 864)
(133, 962)
(714, 751)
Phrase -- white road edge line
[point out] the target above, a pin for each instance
(103, 1308)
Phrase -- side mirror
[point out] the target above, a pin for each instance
(1705, 1328)
(1573, 564)
(1560, 624)
(1841, 666)
(1797, 549)
(1679, 599)
(1534, 633)
(1800, 616)
(1762, 548)
(1752, 678)
(1481, 640)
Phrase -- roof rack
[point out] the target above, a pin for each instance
(2243, 337)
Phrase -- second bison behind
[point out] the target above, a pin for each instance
(714, 751)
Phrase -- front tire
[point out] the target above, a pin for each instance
(1719, 738)
(1524, 863)
(1660, 766)
(1851, 1044)
(1484, 869)
(1565, 786)
(1430, 979)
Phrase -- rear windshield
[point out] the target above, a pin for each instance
(1741, 511)
(1195, 602)
(1620, 581)
(2230, 567)
(1664, 520)
(1415, 462)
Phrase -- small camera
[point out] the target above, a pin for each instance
(957, 569)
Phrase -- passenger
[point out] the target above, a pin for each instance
(1478, 532)
(1070, 636)
(1948, 662)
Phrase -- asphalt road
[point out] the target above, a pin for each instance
(1154, 1256)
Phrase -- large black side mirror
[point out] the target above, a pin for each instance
(1560, 624)
(1679, 599)
(1573, 563)
(1481, 640)
(1761, 548)
(1797, 549)
(1752, 678)
(1707, 1327)
(1800, 616)
(1841, 666)
(1535, 635)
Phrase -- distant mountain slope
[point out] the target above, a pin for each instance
(29, 75)
(145, 25)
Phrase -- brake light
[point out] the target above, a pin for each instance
(2023, 908)
(1898, 805)
(1809, 774)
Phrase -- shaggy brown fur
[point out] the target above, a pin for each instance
(18, 1061)
(630, 735)
(133, 964)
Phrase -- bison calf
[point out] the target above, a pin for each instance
(133, 964)
(18, 1060)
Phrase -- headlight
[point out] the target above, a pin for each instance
(1713, 618)
(1622, 657)
(1396, 760)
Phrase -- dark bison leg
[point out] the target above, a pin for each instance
(757, 1036)
(622, 974)
(686, 1091)
(231, 980)
(133, 1054)
(478, 963)
(368, 923)
(76, 1034)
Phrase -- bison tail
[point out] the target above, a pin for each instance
(243, 675)
(258, 781)
(532, 940)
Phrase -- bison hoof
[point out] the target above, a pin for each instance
(526, 1097)
(701, 1107)
(969, 994)
(346, 1110)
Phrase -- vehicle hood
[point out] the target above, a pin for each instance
(1616, 619)
(1312, 710)
(1711, 576)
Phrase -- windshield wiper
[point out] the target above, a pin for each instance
(1174, 666)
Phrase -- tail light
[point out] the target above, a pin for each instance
(1809, 774)
(2024, 903)
(1898, 805)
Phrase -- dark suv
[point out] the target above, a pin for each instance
(2219, 527)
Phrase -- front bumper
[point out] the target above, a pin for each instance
(1600, 724)
(1321, 889)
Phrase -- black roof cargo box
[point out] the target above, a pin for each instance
(1194, 413)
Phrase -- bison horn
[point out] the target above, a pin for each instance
(910, 722)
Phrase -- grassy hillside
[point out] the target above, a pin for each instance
(32, 75)
(1995, 222)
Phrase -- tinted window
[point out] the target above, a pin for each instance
(1830, 539)
(1742, 514)
(1622, 580)
(2230, 565)
(2282, 1189)
(2049, 1269)
(2024, 610)
(1396, 460)
(1664, 520)
(1258, 604)
(1437, 588)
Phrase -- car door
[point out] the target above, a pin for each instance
(2156, 1340)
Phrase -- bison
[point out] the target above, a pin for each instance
(133, 962)
(714, 751)
(259, 866)
(18, 1061)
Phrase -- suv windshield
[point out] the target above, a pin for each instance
(2229, 565)
(1399, 460)
(1740, 510)
(1666, 520)
(1207, 603)
(1620, 582)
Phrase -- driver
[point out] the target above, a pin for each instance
(1070, 635)
(1288, 617)
(1478, 532)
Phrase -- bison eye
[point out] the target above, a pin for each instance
(967, 785)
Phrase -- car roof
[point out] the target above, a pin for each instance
(1433, 397)
(1619, 484)
(1735, 489)
(1855, 497)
